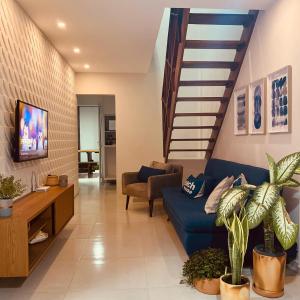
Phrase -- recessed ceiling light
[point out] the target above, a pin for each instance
(76, 50)
(61, 24)
(86, 66)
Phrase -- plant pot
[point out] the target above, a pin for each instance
(234, 292)
(268, 272)
(208, 286)
(6, 208)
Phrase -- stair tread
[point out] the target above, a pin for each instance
(192, 139)
(189, 150)
(202, 114)
(201, 99)
(226, 83)
(195, 127)
(210, 64)
(214, 44)
(220, 19)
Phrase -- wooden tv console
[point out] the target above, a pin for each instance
(48, 211)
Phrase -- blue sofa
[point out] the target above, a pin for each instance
(196, 229)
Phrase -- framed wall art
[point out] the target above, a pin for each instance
(240, 98)
(257, 106)
(279, 108)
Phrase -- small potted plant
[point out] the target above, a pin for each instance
(268, 206)
(9, 189)
(231, 213)
(204, 269)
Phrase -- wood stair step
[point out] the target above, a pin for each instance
(221, 19)
(202, 99)
(190, 150)
(213, 44)
(226, 83)
(210, 64)
(209, 114)
(195, 127)
(193, 140)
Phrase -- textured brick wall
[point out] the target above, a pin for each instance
(33, 71)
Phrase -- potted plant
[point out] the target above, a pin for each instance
(9, 189)
(204, 269)
(268, 206)
(231, 213)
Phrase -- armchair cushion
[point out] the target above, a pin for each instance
(146, 172)
(128, 178)
(137, 189)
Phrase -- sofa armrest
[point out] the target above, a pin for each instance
(157, 183)
(128, 178)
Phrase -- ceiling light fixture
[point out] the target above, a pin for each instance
(61, 24)
(86, 66)
(76, 50)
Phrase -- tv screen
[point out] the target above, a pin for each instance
(31, 132)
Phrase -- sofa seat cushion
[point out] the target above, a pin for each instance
(137, 189)
(189, 213)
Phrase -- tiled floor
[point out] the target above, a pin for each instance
(106, 253)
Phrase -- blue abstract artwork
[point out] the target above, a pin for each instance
(240, 108)
(279, 101)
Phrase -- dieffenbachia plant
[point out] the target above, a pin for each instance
(267, 204)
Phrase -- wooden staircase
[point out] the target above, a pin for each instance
(175, 63)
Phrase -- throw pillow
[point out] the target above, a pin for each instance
(210, 183)
(145, 172)
(194, 187)
(240, 180)
(214, 198)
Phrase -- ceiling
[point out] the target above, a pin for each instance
(114, 36)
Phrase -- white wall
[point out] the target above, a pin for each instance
(275, 43)
(33, 71)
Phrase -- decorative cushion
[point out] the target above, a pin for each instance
(162, 166)
(194, 187)
(239, 181)
(214, 198)
(145, 172)
(210, 183)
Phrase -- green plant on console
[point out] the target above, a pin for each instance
(268, 206)
(10, 188)
(237, 226)
(205, 264)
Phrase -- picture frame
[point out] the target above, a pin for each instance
(279, 104)
(240, 97)
(257, 106)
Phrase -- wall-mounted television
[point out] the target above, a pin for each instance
(31, 132)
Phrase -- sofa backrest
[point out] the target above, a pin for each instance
(219, 168)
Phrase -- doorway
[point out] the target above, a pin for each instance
(97, 137)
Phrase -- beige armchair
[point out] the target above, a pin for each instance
(151, 190)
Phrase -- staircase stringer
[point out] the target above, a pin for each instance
(239, 58)
(169, 117)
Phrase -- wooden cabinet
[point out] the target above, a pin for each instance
(47, 211)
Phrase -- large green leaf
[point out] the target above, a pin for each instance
(272, 168)
(287, 166)
(285, 230)
(297, 170)
(263, 199)
(228, 203)
(290, 183)
(245, 229)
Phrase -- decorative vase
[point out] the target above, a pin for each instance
(208, 286)
(234, 292)
(268, 272)
(6, 206)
